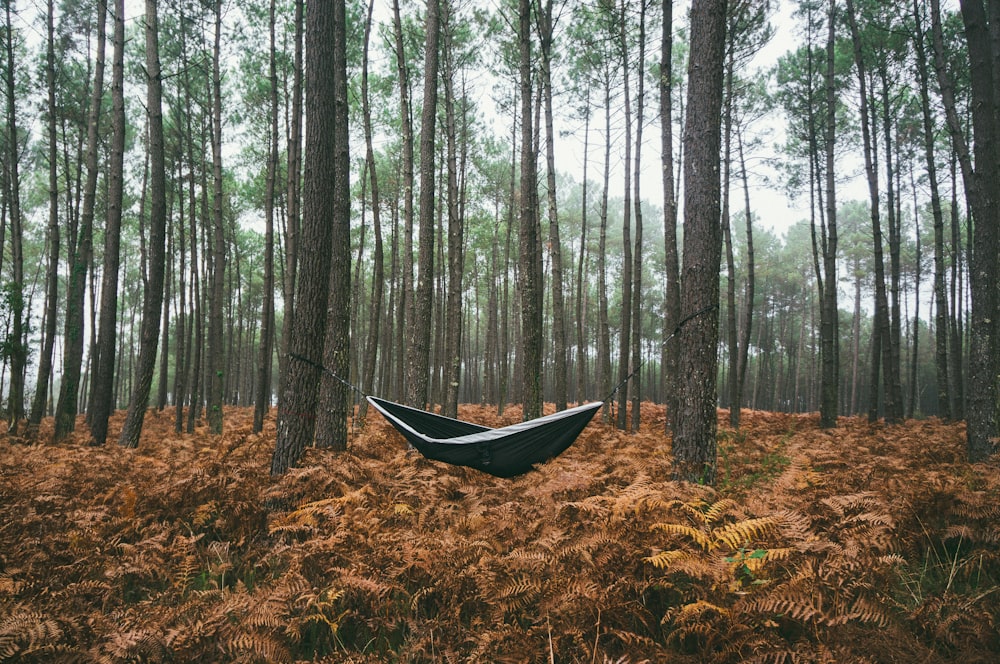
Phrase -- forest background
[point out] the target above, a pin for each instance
(160, 267)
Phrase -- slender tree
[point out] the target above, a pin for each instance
(41, 398)
(262, 391)
(102, 387)
(456, 224)
(829, 311)
(640, 100)
(981, 21)
(293, 221)
(420, 336)
(81, 252)
(331, 420)
(216, 358)
(546, 37)
(882, 354)
(627, 302)
(671, 299)
(296, 416)
(153, 287)
(15, 348)
(937, 214)
(406, 306)
(378, 275)
(530, 249)
(694, 444)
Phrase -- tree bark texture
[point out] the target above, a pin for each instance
(82, 252)
(530, 249)
(420, 340)
(153, 291)
(297, 414)
(694, 443)
(334, 398)
(982, 32)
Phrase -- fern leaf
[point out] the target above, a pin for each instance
(665, 559)
(719, 509)
(736, 535)
(699, 537)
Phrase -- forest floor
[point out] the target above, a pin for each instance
(859, 544)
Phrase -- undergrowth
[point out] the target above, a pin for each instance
(860, 544)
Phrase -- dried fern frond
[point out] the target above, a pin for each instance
(702, 539)
(664, 559)
(24, 631)
(741, 533)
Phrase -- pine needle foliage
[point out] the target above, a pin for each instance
(861, 544)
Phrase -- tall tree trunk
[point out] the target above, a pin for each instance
(296, 416)
(749, 290)
(830, 313)
(530, 249)
(982, 33)
(456, 232)
(334, 398)
(102, 388)
(940, 296)
(168, 276)
(671, 298)
(956, 373)
(420, 338)
(41, 398)
(153, 291)
(546, 28)
(182, 345)
(406, 299)
(82, 249)
(960, 153)
(378, 276)
(732, 333)
(15, 296)
(293, 217)
(856, 338)
(694, 444)
(581, 287)
(198, 290)
(625, 334)
(914, 353)
(893, 377)
(262, 391)
(882, 322)
(603, 326)
(636, 392)
(216, 357)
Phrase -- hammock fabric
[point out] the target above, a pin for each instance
(506, 452)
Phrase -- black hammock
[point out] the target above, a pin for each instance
(505, 452)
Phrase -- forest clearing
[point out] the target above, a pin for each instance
(863, 543)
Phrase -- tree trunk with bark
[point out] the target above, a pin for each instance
(262, 389)
(671, 299)
(378, 275)
(216, 358)
(82, 250)
(102, 388)
(418, 369)
(830, 312)
(530, 249)
(546, 28)
(153, 291)
(334, 397)
(982, 32)
(694, 443)
(297, 414)
(40, 400)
